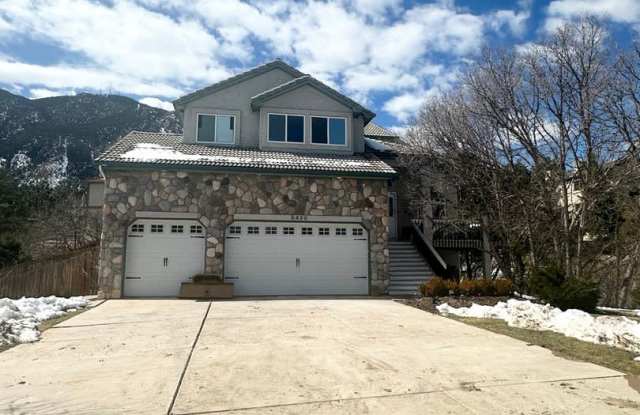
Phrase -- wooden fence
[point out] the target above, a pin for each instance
(72, 274)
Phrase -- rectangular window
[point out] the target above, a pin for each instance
(307, 231)
(337, 131)
(357, 232)
(216, 128)
(271, 230)
(319, 130)
(286, 127)
(196, 229)
(177, 228)
(253, 230)
(329, 130)
(288, 230)
(341, 231)
(155, 228)
(323, 231)
(235, 230)
(137, 228)
(295, 128)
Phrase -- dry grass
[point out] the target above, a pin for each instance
(563, 346)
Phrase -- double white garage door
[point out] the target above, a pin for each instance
(261, 258)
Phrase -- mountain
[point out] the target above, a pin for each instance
(58, 137)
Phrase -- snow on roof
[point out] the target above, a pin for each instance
(168, 149)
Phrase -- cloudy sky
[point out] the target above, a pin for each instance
(387, 54)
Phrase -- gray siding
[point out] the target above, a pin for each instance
(235, 100)
(251, 126)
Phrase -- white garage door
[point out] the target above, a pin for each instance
(281, 258)
(161, 254)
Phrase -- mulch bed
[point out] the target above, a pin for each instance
(429, 303)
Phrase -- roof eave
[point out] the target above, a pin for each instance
(125, 165)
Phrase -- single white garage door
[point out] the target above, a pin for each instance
(282, 258)
(161, 254)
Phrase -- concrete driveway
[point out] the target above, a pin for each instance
(291, 356)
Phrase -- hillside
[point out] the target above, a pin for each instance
(57, 137)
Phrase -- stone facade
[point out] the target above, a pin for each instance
(216, 198)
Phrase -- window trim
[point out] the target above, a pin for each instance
(215, 127)
(286, 128)
(328, 118)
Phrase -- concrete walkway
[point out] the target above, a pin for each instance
(291, 356)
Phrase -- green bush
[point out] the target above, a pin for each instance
(550, 285)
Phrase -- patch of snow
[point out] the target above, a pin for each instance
(19, 319)
(3, 163)
(610, 330)
(148, 152)
(375, 144)
(20, 161)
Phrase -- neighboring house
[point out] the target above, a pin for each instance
(269, 187)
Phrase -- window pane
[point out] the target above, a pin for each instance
(206, 126)
(318, 130)
(295, 128)
(337, 131)
(224, 129)
(276, 127)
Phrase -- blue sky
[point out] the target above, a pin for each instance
(389, 55)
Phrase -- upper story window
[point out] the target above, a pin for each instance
(216, 128)
(329, 130)
(286, 128)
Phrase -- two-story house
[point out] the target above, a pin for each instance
(269, 187)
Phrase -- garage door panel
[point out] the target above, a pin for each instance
(263, 264)
(158, 262)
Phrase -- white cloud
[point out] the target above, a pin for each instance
(161, 49)
(69, 77)
(157, 103)
(620, 11)
(406, 105)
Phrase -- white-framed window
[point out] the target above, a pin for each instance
(137, 228)
(329, 130)
(323, 231)
(177, 228)
(271, 230)
(341, 231)
(288, 230)
(357, 232)
(216, 128)
(285, 128)
(157, 228)
(253, 230)
(235, 230)
(307, 231)
(196, 229)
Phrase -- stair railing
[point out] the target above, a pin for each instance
(423, 245)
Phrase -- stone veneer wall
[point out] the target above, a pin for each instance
(217, 197)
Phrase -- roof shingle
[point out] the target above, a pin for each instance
(167, 150)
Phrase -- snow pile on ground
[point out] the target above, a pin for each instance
(615, 331)
(19, 318)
